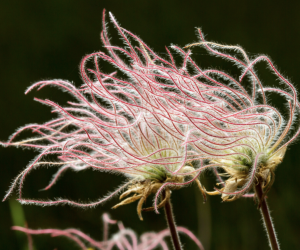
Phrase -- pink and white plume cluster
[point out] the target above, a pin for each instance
(124, 239)
(160, 120)
(232, 124)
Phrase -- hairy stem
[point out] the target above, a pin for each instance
(267, 218)
(172, 226)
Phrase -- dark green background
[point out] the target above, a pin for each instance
(47, 39)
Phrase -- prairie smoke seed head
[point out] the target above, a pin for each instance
(121, 123)
(236, 129)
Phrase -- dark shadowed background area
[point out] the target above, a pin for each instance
(47, 39)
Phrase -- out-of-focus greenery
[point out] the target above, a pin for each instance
(47, 39)
(18, 219)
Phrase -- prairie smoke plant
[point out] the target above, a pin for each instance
(122, 124)
(119, 124)
(157, 120)
(233, 126)
(236, 129)
(125, 238)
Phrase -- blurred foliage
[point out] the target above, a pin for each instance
(47, 39)
(18, 219)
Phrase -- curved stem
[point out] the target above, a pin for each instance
(172, 226)
(267, 218)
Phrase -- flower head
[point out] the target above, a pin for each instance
(231, 124)
(121, 123)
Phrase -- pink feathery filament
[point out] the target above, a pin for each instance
(123, 239)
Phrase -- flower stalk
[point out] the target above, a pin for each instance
(171, 224)
(267, 218)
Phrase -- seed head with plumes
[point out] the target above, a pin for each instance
(121, 123)
(232, 125)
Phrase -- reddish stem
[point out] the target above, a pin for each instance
(172, 226)
(267, 218)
